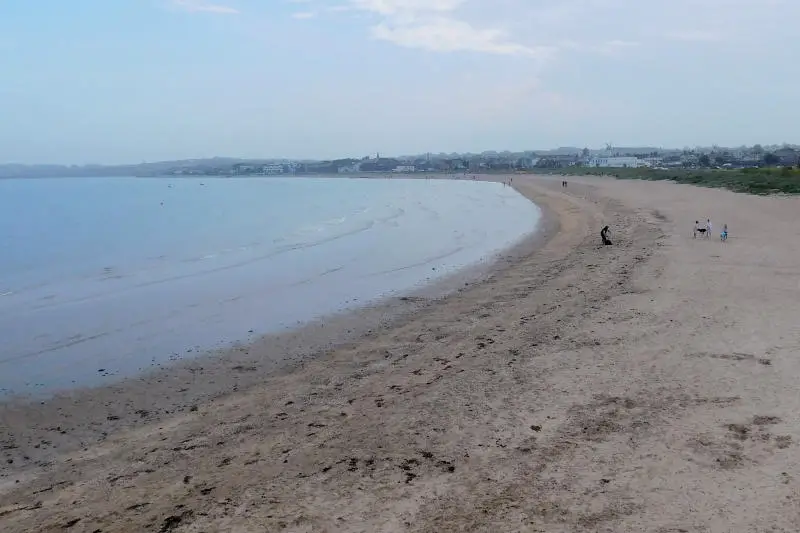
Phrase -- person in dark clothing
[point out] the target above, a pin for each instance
(604, 236)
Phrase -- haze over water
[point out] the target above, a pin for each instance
(122, 273)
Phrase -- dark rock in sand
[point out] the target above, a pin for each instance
(172, 522)
(71, 523)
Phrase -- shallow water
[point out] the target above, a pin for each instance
(120, 274)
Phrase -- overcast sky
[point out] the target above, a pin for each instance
(84, 81)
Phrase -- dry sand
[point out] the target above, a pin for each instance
(647, 386)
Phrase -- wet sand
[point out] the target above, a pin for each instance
(646, 386)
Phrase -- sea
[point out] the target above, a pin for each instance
(103, 278)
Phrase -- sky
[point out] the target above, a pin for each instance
(125, 81)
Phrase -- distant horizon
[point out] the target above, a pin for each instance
(395, 156)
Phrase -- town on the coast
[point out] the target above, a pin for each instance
(608, 157)
(566, 159)
(491, 161)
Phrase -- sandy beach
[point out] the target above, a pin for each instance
(647, 386)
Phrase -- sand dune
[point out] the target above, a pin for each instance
(647, 386)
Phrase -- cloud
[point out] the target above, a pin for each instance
(434, 25)
(200, 6)
(450, 35)
(304, 15)
(543, 28)
(407, 7)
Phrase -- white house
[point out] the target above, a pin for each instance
(616, 162)
(653, 162)
(272, 169)
(404, 168)
(350, 169)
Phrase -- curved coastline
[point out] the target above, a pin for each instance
(154, 323)
(580, 387)
(276, 352)
(79, 424)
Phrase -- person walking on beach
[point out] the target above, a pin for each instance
(708, 228)
(696, 229)
(604, 236)
(724, 235)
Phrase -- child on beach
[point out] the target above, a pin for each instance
(724, 235)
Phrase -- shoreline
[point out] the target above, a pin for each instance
(134, 360)
(644, 386)
(96, 412)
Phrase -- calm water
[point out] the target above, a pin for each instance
(120, 274)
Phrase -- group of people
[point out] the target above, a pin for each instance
(706, 231)
(703, 231)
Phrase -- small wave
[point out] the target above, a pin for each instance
(318, 227)
(422, 263)
(58, 345)
(326, 225)
(250, 260)
(320, 275)
(325, 240)
(398, 212)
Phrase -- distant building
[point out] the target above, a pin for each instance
(380, 165)
(271, 170)
(350, 169)
(690, 159)
(653, 162)
(557, 161)
(673, 160)
(788, 157)
(404, 168)
(616, 162)
(526, 162)
(241, 169)
(744, 156)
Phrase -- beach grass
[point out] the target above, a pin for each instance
(762, 181)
